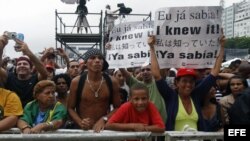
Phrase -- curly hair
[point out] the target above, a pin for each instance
(64, 76)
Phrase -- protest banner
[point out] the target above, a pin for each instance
(187, 36)
(129, 46)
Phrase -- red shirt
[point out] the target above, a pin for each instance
(128, 114)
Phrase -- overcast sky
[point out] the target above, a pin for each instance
(36, 18)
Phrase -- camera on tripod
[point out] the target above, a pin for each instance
(124, 10)
(82, 10)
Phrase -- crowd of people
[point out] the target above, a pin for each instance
(89, 96)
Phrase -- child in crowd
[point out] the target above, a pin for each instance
(138, 114)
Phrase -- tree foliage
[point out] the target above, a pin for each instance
(238, 42)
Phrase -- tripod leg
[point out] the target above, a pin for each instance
(81, 24)
(75, 24)
(88, 25)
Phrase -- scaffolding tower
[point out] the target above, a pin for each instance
(76, 44)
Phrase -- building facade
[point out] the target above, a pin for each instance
(236, 19)
(228, 21)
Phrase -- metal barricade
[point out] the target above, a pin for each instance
(106, 135)
(74, 135)
(191, 135)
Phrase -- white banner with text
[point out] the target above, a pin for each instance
(129, 46)
(187, 36)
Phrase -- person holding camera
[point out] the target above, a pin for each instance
(23, 81)
(49, 60)
(110, 18)
(3, 43)
(82, 11)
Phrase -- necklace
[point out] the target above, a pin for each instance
(92, 89)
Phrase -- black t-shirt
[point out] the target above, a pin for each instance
(23, 88)
(239, 113)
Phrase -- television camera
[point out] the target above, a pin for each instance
(123, 9)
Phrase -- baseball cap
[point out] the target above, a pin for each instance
(185, 71)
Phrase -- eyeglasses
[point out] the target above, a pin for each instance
(145, 69)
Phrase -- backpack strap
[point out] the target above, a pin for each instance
(110, 86)
(81, 85)
(79, 90)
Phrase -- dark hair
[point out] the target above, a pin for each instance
(238, 61)
(24, 58)
(172, 73)
(234, 64)
(134, 69)
(138, 86)
(73, 61)
(82, 2)
(123, 95)
(64, 76)
(244, 81)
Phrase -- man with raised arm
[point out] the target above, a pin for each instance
(23, 81)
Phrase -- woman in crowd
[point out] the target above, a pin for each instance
(44, 113)
(62, 82)
(235, 86)
(211, 111)
(184, 103)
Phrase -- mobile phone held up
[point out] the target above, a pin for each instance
(14, 35)
(20, 36)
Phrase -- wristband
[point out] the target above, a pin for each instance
(105, 118)
(24, 127)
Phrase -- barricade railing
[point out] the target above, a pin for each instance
(190, 135)
(74, 135)
(106, 135)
